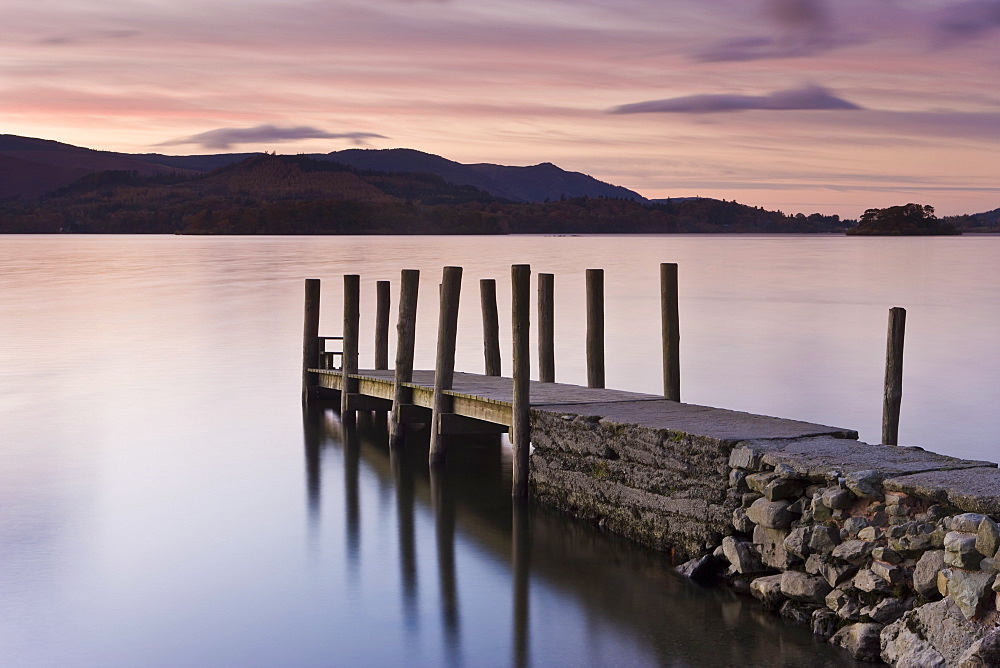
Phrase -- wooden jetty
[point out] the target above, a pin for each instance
(460, 403)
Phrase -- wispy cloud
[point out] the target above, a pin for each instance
(967, 19)
(224, 138)
(804, 98)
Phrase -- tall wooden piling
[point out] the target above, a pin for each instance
(893, 376)
(352, 327)
(671, 330)
(406, 328)
(520, 430)
(382, 325)
(310, 336)
(491, 325)
(546, 329)
(595, 328)
(444, 374)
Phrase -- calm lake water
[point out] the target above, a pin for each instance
(165, 502)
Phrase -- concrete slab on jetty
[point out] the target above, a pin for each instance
(703, 421)
(825, 458)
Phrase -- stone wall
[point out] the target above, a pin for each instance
(889, 552)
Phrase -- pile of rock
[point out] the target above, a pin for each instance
(887, 575)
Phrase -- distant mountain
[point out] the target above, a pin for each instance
(31, 167)
(536, 183)
(988, 221)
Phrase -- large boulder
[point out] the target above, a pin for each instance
(937, 628)
(861, 640)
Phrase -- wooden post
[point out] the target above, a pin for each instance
(382, 325)
(491, 325)
(444, 374)
(352, 326)
(893, 376)
(671, 330)
(595, 328)
(520, 430)
(406, 328)
(546, 328)
(310, 337)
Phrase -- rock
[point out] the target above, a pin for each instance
(837, 498)
(797, 542)
(935, 628)
(989, 564)
(926, 572)
(743, 457)
(854, 525)
(996, 585)
(741, 556)
(783, 488)
(741, 522)
(888, 610)
(823, 539)
(738, 480)
(704, 567)
(984, 653)
(966, 589)
(960, 549)
(767, 590)
(824, 623)
(853, 551)
(891, 574)
(966, 522)
(758, 482)
(867, 580)
(866, 484)
(861, 640)
(770, 514)
(801, 587)
(988, 537)
(832, 570)
(887, 555)
(770, 543)
(799, 612)
(748, 498)
(820, 511)
(868, 533)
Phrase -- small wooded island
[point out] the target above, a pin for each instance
(908, 220)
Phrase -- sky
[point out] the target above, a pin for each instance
(798, 105)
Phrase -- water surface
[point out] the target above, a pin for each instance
(164, 502)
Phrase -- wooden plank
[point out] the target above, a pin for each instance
(595, 328)
(382, 325)
(352, 326)
(364, 402)
(413, 414)
(546, 329)
(310, 336)
(671, 332)
(406, 329)
(491, 325)
(455, 424)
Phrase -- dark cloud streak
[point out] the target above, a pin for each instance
(224, 138)
(795, 99)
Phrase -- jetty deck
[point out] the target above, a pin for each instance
(483, 404)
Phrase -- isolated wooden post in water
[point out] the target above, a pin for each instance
(444, 375)
(406, 329)
(382, 325)
(520, 429)
(671, 329)
(352, 326)
(546, 328)
(595, 328)
(310, 336)
(491, 325)
(893, 376)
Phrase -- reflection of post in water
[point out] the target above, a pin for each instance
(443, 500)
(521, 558)
(352, 461)
(405, 492)
(313, 435)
